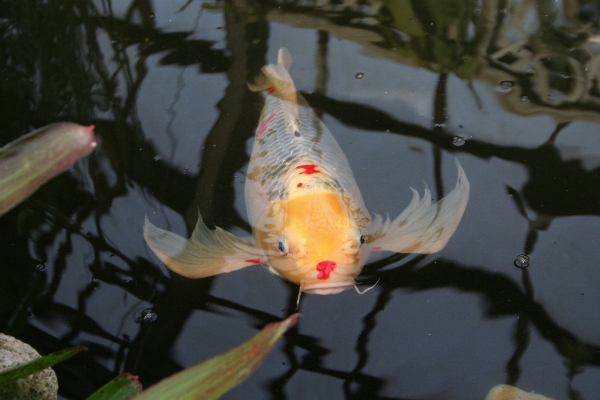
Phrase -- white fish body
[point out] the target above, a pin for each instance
(309, 222)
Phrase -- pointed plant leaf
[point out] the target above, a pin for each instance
(123, 387)
(33, 159)
(31, 367)
(214, 377)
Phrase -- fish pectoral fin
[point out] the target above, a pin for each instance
(423, 227)
(206, 253)
(260, 83)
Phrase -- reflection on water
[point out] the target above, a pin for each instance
(165, 85)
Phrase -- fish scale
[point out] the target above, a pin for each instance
(278, 151)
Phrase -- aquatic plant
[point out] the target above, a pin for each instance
(29, 162)
(35, 158)
(207, 380)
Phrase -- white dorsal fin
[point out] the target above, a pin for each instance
(206, 253)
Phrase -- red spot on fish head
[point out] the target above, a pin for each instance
(325, 268)
(308, 169)
(271, 90)
(262, 128)
(253, 261)
(376, 248)
(299, 185)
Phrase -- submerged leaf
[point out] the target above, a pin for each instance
(123, 387)
(31, 367)
(33, 159)
(213, 378)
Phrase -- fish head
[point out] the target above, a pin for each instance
(316, 242)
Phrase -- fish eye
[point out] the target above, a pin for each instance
(282, 246)
(362, 239)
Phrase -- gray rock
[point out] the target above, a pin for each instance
(39, 386)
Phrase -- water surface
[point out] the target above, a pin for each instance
(509, 88)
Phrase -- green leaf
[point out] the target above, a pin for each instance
(404, 17)
(36, 365)
(123, 387)
(213, 378)
(468, 68)
(33, 159)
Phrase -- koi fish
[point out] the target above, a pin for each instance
(310, 225)
(508, 392)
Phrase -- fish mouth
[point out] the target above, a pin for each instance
(328, 289)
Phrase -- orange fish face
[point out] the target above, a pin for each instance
(317, 244)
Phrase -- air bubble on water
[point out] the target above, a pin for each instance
(40, 266)
(522, 261)
(152, 16)
(359, 75)
(458, 140)
(524, 98)
(149, 317)
(146, 316)
(157, 158)
(505, 86)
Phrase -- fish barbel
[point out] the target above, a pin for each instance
(308, 218)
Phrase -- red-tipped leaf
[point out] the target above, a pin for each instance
(214, 377)
(33, 159)
(123, 387)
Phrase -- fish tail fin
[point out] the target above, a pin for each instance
(284, 58)
(277, 76)
(423, 227)
(206, 253)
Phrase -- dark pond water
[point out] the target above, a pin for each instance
(509, 88)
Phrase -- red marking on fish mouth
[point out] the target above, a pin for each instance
(376, 248)
(325, 268)
(271, 90)
(299, 185)
(308, 169)
(253, 261)
(263, 125)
